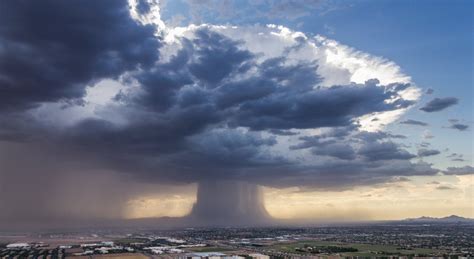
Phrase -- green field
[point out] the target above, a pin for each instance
(364, 249)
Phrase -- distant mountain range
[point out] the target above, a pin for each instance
(448, 219)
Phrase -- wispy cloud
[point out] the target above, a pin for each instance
(414, 122)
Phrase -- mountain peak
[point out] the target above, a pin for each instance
(451, 219)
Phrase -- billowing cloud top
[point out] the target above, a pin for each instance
(109, 84)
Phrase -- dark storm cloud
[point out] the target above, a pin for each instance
(211, 111)
(357, 158)
(341, 174)
(414, 122)
(276, 97)
(312, 141)
(183, 128)
(223, 153)
(340, 143)
(283, 132)
(50, 50)
(334, 137)
(366, 136)
(161, 84)
(428, 152)
(429, 91)
(180, 127)
(438, 104)
(377, 151)
(237, 92)
(325, 107)
(216, 57)
(341, 151)
(145, 136)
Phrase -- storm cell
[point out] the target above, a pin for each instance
(229, 202)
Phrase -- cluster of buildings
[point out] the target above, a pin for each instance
(261, 243)
(36, 250)
(96, 249)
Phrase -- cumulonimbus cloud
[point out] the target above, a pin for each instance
(48, 55)
(206, 97)
(262, 104)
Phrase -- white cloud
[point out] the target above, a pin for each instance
(338, 64)
(152, 16)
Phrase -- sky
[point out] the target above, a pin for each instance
(311, 110)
